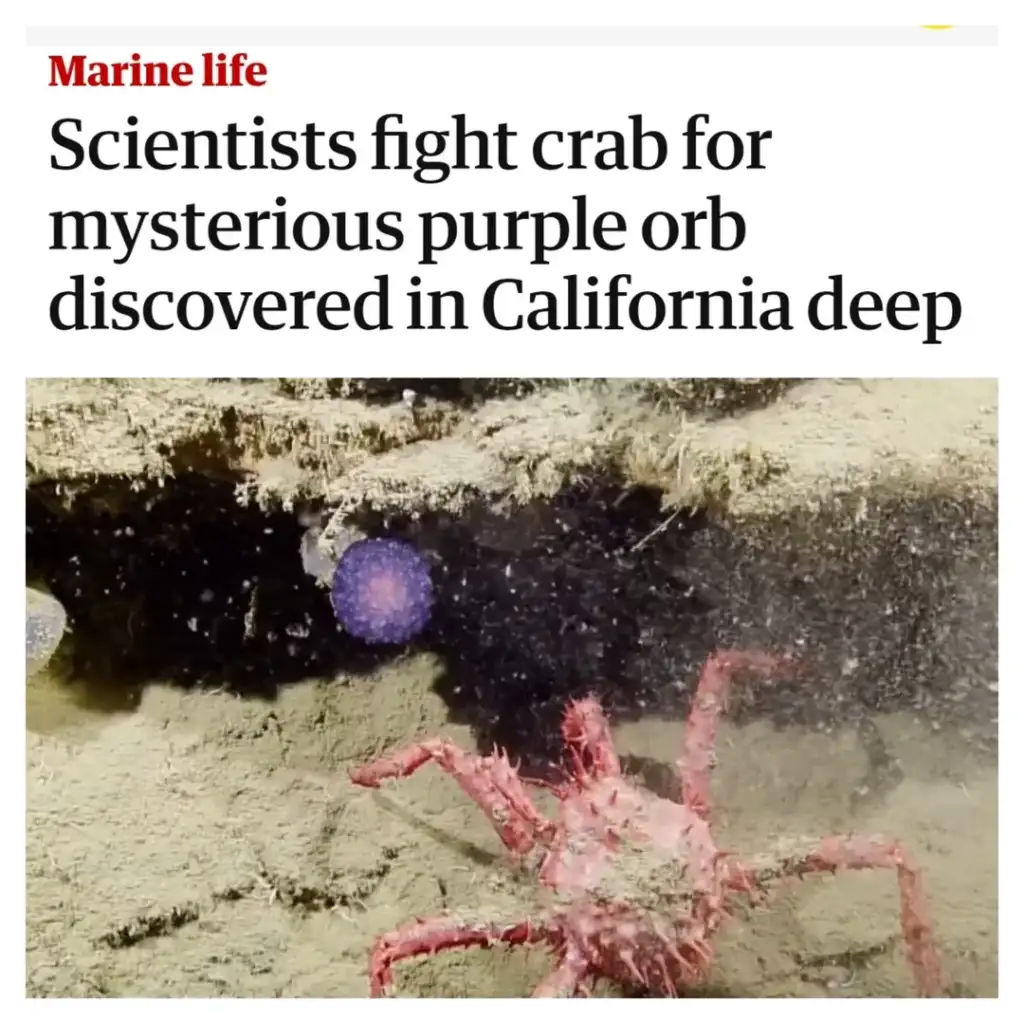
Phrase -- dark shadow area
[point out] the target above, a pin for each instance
(891, 603)
(461, 391)
(559, 604)
(892, 599)
(182, 584)
(715, 398)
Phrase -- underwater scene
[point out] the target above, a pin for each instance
(510, 687)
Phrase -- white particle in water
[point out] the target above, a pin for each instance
(318, 562)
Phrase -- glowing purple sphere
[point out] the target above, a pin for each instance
(381, 592)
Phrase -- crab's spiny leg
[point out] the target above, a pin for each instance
(567, 979)
(588, 738)
(861, 852)
(420, 938)
(709, 702)
(490, 782)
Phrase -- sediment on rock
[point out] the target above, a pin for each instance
(358, 445)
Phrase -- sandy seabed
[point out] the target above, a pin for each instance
(202, 844)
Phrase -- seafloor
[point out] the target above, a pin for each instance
(191, 829)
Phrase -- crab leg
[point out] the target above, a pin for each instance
(860, 853)
(435, 934)
(567, 979)
(588, 738)
(709, 702)
(490, 782)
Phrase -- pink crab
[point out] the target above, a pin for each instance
(638, 886)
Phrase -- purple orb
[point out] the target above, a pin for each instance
(381, 591)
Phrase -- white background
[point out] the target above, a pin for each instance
(898, 167)
(879, 183)
(882, 167)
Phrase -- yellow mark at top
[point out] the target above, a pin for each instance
(937, 27)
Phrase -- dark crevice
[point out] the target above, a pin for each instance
(460, 391)
(892, 603)
(182, 584)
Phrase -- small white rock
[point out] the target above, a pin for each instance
(45, 623)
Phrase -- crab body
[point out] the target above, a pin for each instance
(636, 885)
(636, 879)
